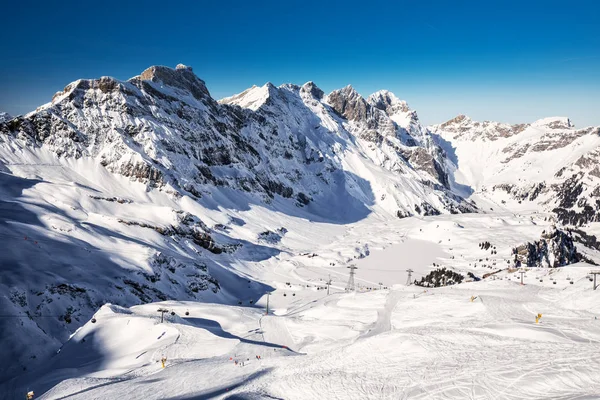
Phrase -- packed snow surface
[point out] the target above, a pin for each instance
(399, 342)
(404, 342)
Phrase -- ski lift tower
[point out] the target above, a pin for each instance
(409, 279)
(595, 273)
(162, 312)
(350, 287)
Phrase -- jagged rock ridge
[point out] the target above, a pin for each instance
(162, 128)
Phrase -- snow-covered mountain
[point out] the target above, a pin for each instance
(4, 116)
(163, 129)
(129, 191)
(547, 165)
(148, 190)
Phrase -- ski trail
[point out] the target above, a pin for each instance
(275, 330)
(383, 323)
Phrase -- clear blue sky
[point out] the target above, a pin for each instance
(512, 61)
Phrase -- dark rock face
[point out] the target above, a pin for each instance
(573, 208)
(423, 160)
(310, 87)
(555, 249)
(426, 209)
(182, 77)
(349, 104)
(584, 238)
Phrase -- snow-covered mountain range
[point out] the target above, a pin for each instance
(548, 165)
(144, 190)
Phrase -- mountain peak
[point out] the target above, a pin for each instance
(388, 102)
(183, 66)
(310, 87)
(459, 119)
(387, 96)
(4, 116)
(182, 77)
(253, 97)
(554, 123)
(350, 90)
(348, 103)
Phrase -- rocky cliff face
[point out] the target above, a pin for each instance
(555, 249)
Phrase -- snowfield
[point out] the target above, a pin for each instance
(399, 343)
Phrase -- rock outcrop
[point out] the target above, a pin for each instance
(555, 249)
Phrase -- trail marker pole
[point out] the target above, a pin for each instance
(522, 273)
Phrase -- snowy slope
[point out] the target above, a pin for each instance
(399, 343)
(328, 337)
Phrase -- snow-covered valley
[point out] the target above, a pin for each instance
(122, 197)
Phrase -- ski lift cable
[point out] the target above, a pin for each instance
(387, 270)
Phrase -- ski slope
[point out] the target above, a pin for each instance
(398, 343)
(401, 342)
